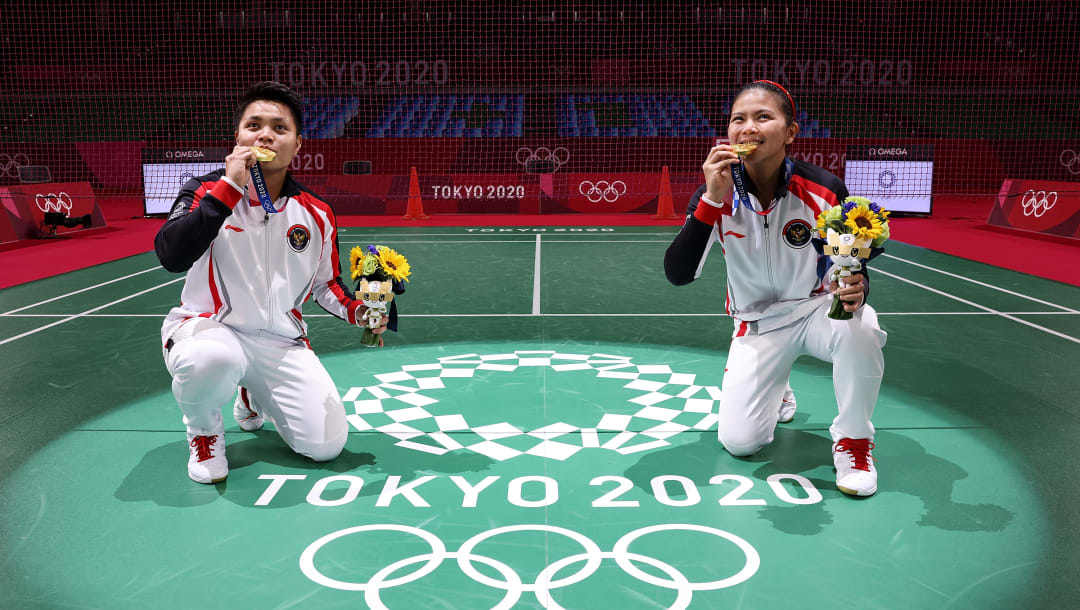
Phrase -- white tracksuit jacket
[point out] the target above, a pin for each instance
(248, 269)
(775, 274)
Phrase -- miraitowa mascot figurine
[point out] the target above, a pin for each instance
(377, 296)
(847, 253)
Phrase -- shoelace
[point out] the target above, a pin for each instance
(858, 449)
(202, 446)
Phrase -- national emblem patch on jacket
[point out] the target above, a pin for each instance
(298, 237)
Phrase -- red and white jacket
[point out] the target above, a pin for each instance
(249, 269)
(775, 275)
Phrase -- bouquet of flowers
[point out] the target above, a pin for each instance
(853, 231)
(382, 273)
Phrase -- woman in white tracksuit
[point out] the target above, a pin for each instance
(777, 291)
(250, 265)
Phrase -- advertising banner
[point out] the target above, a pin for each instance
(166, 170)
(121, 168)
(28, 204)
(1038, 206)
(897, 177)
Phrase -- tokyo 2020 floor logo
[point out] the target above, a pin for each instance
(661, 405)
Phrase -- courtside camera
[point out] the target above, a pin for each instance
(60, 219)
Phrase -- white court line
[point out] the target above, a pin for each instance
(977, 313)
(520, 241)
(67, 294)
(564, 315)
(536, 280)
(92, 315)
(982, 307)
(78, 315)
(967, 279)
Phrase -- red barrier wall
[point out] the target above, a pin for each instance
(26, 205)
(1051, 208)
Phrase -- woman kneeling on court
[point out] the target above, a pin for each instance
(255, 244)
(777, 291)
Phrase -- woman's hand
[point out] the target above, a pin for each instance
(717, 170)
(238, 163)
(853, 293)
(366, 313)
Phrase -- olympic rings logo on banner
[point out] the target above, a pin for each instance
(10, 164)
(512, 584)
(1070, 160)
(1038, 203)
(560, 156)
(886, 179)
(53, 202)
(602, 190)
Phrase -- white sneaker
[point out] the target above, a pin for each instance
(245, 414)
(787, 407)
(855, 471)
(207, 463)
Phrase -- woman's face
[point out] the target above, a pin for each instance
(756, 118)
(270, 125)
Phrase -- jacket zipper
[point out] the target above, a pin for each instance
(268, 274)
(768, 257)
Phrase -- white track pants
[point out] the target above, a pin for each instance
(284, 378)
(758, 367)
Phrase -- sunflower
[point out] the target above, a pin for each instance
(356, 257)
(394, 264)
(821, 224)
(863, 222)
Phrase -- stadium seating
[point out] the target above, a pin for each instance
(451, 116)
(325, 117)
(631, 115)
(503, 115)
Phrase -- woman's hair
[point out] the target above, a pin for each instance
(272, 92)
(787, 105)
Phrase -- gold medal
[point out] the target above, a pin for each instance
(744, 149)
(263, 154)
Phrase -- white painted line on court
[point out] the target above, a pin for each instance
(88, 311)
(982, 307)
(525, 241)
(536, 280)
(86, 315)
(67, 294)
(984, 284)
(977, 313)
(562, 315)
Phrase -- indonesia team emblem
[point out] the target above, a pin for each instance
(797, 233)
(298, 237)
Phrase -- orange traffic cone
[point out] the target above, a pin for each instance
(664, 208)
(415, 210)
